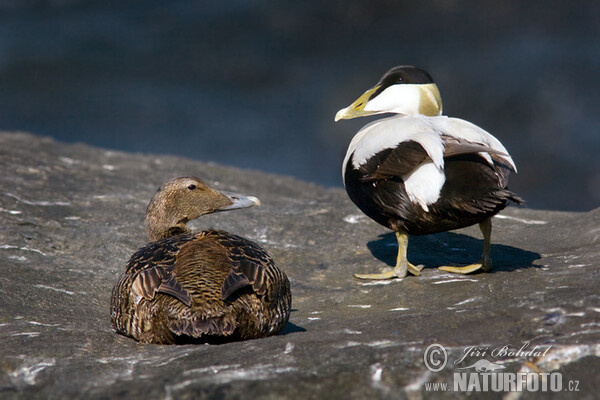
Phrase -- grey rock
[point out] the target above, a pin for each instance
(71, 215)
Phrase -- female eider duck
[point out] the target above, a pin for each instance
(205, 286)
(420, 172)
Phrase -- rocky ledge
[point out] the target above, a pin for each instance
(71, 215)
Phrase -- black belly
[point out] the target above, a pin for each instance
(471, 193)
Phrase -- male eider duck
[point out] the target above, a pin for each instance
(420, 172)
(205, 286)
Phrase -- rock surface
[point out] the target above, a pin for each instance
(71, 215)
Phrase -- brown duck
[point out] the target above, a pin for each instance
(208, 286)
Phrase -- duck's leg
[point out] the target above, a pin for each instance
(485, 264)
(402, 268)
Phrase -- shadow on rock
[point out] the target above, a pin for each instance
(448, 248)
(291, 328)
(182, 340)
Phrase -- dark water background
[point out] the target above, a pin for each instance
(256, 84)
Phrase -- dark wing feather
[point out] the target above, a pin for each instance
(147, 281)
(152, 266)
(249, 264)
(233, 282)
(169, 285)
(474, 187)
(244, 273)
(156, 279)
(398, 161)
(497, 175)
(454, 147)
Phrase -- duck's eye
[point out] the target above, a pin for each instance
(192, 187)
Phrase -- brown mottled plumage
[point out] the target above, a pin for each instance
(206, 286)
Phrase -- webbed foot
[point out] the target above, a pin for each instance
(485, 264)
(467, 269)
(391, 273)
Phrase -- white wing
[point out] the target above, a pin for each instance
(427, 131)
(387, 133)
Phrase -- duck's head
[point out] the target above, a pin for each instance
(183, 199)
(402, 90)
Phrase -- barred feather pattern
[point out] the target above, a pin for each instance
(208, 286)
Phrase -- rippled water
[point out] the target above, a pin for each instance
(256, 84)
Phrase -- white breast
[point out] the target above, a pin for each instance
(424, 184)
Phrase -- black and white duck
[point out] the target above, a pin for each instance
(420, 172)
